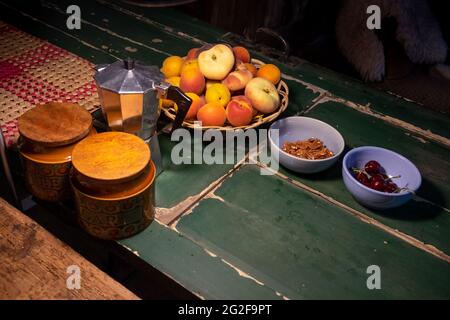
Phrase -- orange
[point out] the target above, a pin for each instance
(212, 114)
(172, 66)
(269, 72)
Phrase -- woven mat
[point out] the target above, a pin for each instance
(33, 72)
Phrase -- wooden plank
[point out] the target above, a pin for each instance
(304, 247)
(34, 264)
(193, 266)
(423, 217)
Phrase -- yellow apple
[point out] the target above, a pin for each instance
(217, 62)
(263, 95)
(218, 93)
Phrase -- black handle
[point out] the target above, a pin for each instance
(183, 102)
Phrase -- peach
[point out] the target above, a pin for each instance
(189, 64)
(212, 114)
(242, 54)
(216, 62)
(270, 72)
(193, 53)
(192, 80)
(239, 111)
(237, 80)
(263, 95)
(250, 67)
(218, 93)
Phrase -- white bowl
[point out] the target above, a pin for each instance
(302, 128)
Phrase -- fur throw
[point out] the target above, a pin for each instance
(417, 31)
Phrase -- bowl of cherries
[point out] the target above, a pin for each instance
(379, 178)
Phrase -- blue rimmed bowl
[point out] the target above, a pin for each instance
(302, 128)
(394, 164)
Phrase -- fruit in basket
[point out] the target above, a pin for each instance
(209, 83)
(241, 54)
(175, 81)
(216, 62)
(172, 66)
(237, 80)
(197, 103)
(193, 53)
(219, 94)
(270, 72)
(239, 111)
(192, 80)
(212, 114)
(263, 95)
(189, 64)
(247, 66)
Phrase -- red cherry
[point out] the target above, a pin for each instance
(362, 177)
(378, 177)
(377, 184)
(390, 187)
(372, 167)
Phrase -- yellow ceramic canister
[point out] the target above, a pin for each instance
(48, 134)
(113, 182)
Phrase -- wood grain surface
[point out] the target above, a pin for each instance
(55, 124)
(34, 264)
(113, 156)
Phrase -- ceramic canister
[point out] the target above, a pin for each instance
(48, 134)
(113, 182)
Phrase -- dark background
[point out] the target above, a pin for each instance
(308, 26)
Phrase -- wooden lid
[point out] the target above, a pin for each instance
(49, 155)
(55, 124)
(112, 156)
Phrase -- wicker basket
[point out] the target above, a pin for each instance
(258, 120)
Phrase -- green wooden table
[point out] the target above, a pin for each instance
(225, 231)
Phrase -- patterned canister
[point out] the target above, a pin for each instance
(48, 134)
(113, 182)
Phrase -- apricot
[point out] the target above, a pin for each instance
(192, 80)
(239, 111)
(212, 114)
(241, 54)
(189, 64)
(210, 82)
(172, 66)
(175, 81)
(218, 93)
(269, 72)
